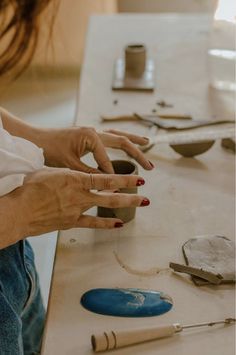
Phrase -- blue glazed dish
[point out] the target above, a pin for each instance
(126, 302)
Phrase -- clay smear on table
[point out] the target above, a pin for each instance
(149, 272)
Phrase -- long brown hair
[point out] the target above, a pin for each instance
(19, 30)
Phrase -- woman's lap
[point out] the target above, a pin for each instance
(21, 309)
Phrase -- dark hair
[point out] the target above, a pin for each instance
(19, 29)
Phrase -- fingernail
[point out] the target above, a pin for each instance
(151, 164)
(119, 224)
(140, 182)
(145, 202)
(147, 139)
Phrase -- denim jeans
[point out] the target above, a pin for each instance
(22, 313)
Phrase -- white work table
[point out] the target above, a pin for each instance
(189, 197)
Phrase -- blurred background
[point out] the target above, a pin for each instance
(46, 94)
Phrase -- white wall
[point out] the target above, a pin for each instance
(69, 31)
(72, 19)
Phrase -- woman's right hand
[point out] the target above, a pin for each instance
(56, 199)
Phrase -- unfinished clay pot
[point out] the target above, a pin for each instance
(135, 59)
(124, 167)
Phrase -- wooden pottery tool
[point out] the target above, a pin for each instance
(177, 123)
(213, 254)
(126, 214)
(134, 71)
(180, 124)
(126, 302)
(143, 118)
(117, 339)
(169, 122)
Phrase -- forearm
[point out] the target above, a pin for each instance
(19, 128)
(11, 228)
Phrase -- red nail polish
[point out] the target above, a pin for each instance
(151, 164)
(145, 202)
(140, 182)
(119, 224)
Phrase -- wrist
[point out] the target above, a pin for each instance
(17, 127)
(12, 224)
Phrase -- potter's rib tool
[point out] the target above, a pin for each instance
(189, 137)
(203, 274)
(117, 339)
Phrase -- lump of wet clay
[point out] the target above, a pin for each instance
(212, 253)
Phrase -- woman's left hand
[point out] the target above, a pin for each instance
(65, 147)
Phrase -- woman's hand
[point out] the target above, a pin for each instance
(55, 199)
(65, 147)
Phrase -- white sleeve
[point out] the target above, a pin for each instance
(18, 157)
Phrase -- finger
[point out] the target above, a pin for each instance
(124, 143)
(80, 166)
(86, 221)
(132, 137)
(101, 157)
(118, 200)
(135, 153)
(110, 181)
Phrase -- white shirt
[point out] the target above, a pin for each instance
(18, 157)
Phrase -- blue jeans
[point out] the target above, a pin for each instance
(22, 313)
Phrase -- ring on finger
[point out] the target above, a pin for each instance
(92, 183)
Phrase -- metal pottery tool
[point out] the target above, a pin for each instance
(118, 339)
(182, 138)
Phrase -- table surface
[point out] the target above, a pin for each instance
(189, 197)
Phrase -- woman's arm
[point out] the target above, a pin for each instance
(56, 199)
(65, 147)
(17, 127)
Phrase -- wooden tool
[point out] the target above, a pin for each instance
(114, 339)
(173, 122)
(180, 124)
(148, 118)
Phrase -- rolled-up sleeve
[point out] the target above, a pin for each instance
(18, 157)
